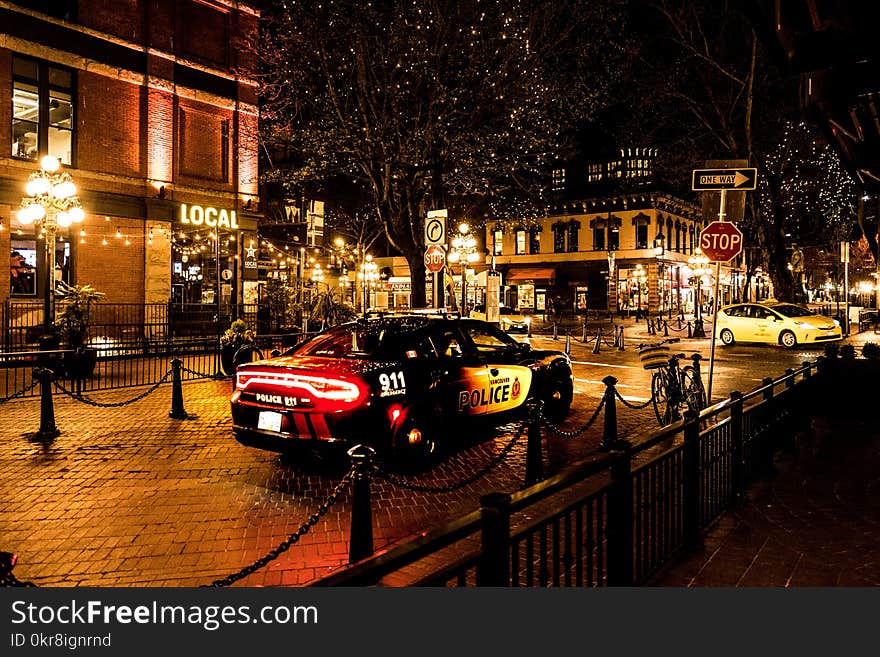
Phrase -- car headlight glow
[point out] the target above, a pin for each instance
(528, 320)
(802, 324)
(836, 323)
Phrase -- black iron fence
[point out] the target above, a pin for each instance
(616, 519)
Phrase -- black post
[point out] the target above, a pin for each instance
(665, 329)
(609, 428)
(48, 430)
(789, 378)
(596, 346)
(493, 568)
(584, 331)
(699, 331)
(620, 519)
(691, 484)
(650, 323)
(177, 411)
(568, 342)
(555, 332)
(737, 466)
(534, 457)
(361, 538)
(690, 332)
(620, 344)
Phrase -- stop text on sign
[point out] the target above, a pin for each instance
(721, 241)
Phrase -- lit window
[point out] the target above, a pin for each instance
(497, 241)
(42, 110)
(520, 242)
(558, 179)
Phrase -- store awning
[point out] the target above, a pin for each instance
(544, 274)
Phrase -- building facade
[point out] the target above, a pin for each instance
(151, 109)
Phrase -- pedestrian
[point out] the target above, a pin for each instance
(20, 274)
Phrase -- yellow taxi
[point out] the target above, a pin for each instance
(774, 322)
(511, 320)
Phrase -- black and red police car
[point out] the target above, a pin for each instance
(398, 382)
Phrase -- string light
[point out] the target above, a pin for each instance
(118, 234)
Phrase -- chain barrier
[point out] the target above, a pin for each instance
(613, 342)
(635, 407)
(677, 330)
(286, 544)
(421, 488)
(91, 402)
(20, 393)
(576, 432)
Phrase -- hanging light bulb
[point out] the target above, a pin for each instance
(104, 242)
(126, 241)
(118, 234)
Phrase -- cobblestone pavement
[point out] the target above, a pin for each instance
(127, 496)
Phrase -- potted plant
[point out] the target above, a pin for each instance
(72, 324)
(234, 338)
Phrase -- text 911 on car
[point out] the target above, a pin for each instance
(400, 383)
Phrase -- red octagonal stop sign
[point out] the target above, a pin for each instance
(721, 241)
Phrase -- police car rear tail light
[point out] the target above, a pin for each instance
(327, 388)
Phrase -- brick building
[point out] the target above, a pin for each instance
(149, 107)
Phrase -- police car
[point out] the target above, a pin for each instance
(398, 382)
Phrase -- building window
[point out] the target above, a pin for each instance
(599, 239)
(42, 110)
(613, 238)
(558, 180)
(535, 240)
(595, 172)
(573, 229)
(559, 238)
(642, 236)
(520, 242)
(497, 241)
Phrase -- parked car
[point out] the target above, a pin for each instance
(774, 322)
(510, 320)
(401, 383)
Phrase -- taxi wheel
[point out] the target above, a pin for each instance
(787, 339)
(557, 398)
(726, 336)
(414, 444)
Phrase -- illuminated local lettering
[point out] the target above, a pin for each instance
(197, 215)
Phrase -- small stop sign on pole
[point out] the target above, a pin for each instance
(721, 241)
(435, 258)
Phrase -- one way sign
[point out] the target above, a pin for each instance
(716, 179)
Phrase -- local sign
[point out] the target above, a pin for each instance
(721, 241)
(435, 258)
(706, 180)
(435, 227)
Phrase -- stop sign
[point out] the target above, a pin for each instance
(721, 241)
(435, 258)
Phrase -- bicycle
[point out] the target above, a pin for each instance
(673, 388)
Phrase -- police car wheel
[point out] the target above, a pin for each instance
(414, 444)
(557, 398)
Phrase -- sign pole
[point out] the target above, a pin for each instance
(845, 252)
(721, 214)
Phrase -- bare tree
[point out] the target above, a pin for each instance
(434, 104)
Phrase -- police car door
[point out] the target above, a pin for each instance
(465, 375)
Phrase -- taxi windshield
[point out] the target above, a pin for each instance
(791, 310)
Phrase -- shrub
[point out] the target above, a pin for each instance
(832, 350)
(847, 351)
(871, 351)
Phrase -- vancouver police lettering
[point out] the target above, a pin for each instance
(497, 393)
(212, 217)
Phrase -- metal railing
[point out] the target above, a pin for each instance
(616, 519)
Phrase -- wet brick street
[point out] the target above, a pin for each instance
(127, 496)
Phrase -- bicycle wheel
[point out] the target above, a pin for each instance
(660, 398)
(694, 393)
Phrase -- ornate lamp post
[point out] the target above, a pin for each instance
(51, 204)
(640, 276)
(464, 250)
(612, 280)
(700, 266)
(659, 251)
(369, 275)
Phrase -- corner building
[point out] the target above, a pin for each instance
(150, 108)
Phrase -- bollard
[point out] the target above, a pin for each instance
(699, 331)
(679, 322)
(534, 457)
(528, 329)
(609, 427)
(620, 344)
(598, 341)
(177, 411)
(568, 342)
(584, 332)
(650, 327)
(361, 538)
(665, 329)
(690, 334)
(48, 430)
(555, 332)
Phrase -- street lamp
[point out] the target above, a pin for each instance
(369, 275)
(659, 251)
(52, 204)
(464, 250)
(612, 282)
(700, 266)
(640, 276)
